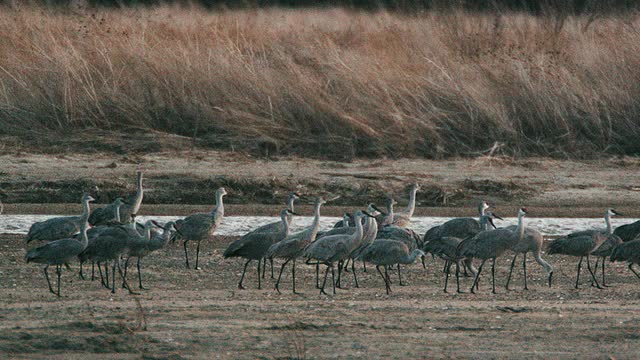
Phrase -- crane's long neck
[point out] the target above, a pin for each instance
(219, 209)
(139, 195)
(84, 239)
(315, 226)
(520, 226)
(117, 212)
(412, 202)
(86, 211)
(357, 236)
(481, 210)
(372, 228)
(547, 267)
(607, 219)
(390, 214)
(484, 222)
(290, 207)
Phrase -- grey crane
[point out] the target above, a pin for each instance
(603, 252)
(200, 226)
(461, 228)
(59, 227)
(102, 216)
(388, 218)
(403, 218)
(347, 220)
(446, 248)
(334, 248)
(254, 246)
(582, 243)
(142, 246)
(277, 226)
(404, 235)
(531, 242)
(293, 245)
(628, 232)
(59, 252)
(387, 253)
(95, 231)
(629, 252)
(491, 245)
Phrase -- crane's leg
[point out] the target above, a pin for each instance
(317, 275)
(271, 266)
(445, 267)
(524, 267)
(400, 275)
(113, 276)
(81, 274)
(446, 276)
(46, 275)
(424, 266)
(140, 276)
(106, 273)
(579, 267)
(386, 274)
(326, 273)
(364, 266)
(386, 286)
(333, 278)
(353, 269)
(243, 272)
(277, 286)
(603, 282)
(186, 255)
(593, 276)
(59, 273)
(338, 284)
(493, 276)
(197, 255)
(513, 263)
(293, 275)
(477, 278)
(93, 272)
(633, 271)
(458, 277)
(124, 275)
(101, 277)
(264, 268)
(259, 281)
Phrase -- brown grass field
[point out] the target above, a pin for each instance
(201, 314)
(320, 82)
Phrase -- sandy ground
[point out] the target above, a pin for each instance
(201, 314)
(558, 188)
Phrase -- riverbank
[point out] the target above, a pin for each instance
(179, 183)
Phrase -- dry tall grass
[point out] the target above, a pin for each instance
(327, 82)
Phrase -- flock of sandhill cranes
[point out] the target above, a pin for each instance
(111, 236)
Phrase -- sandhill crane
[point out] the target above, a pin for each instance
(253, 246)
(446, 248)
(387, 253)
(109, 245)
(144, 245)
(59, 227)
(582, 243)
(95, 231)
(629, 252)
(459, 227)
(347, 220)
(200, 226)
(388, 218)
(403, 218)
(293, 245)
(491, 245)
(604, 251)
(102, 216)
(331, 249)
(628, 232)
(277, 226)
(531, 242)
(59, 252)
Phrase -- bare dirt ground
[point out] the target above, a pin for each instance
(201, 314)
(557, 188)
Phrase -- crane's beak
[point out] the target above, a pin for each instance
(378, 210)
(158, 225)
(617, 213)
(293, 212)
(334, 198)
(496, 216)
(366, 213)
